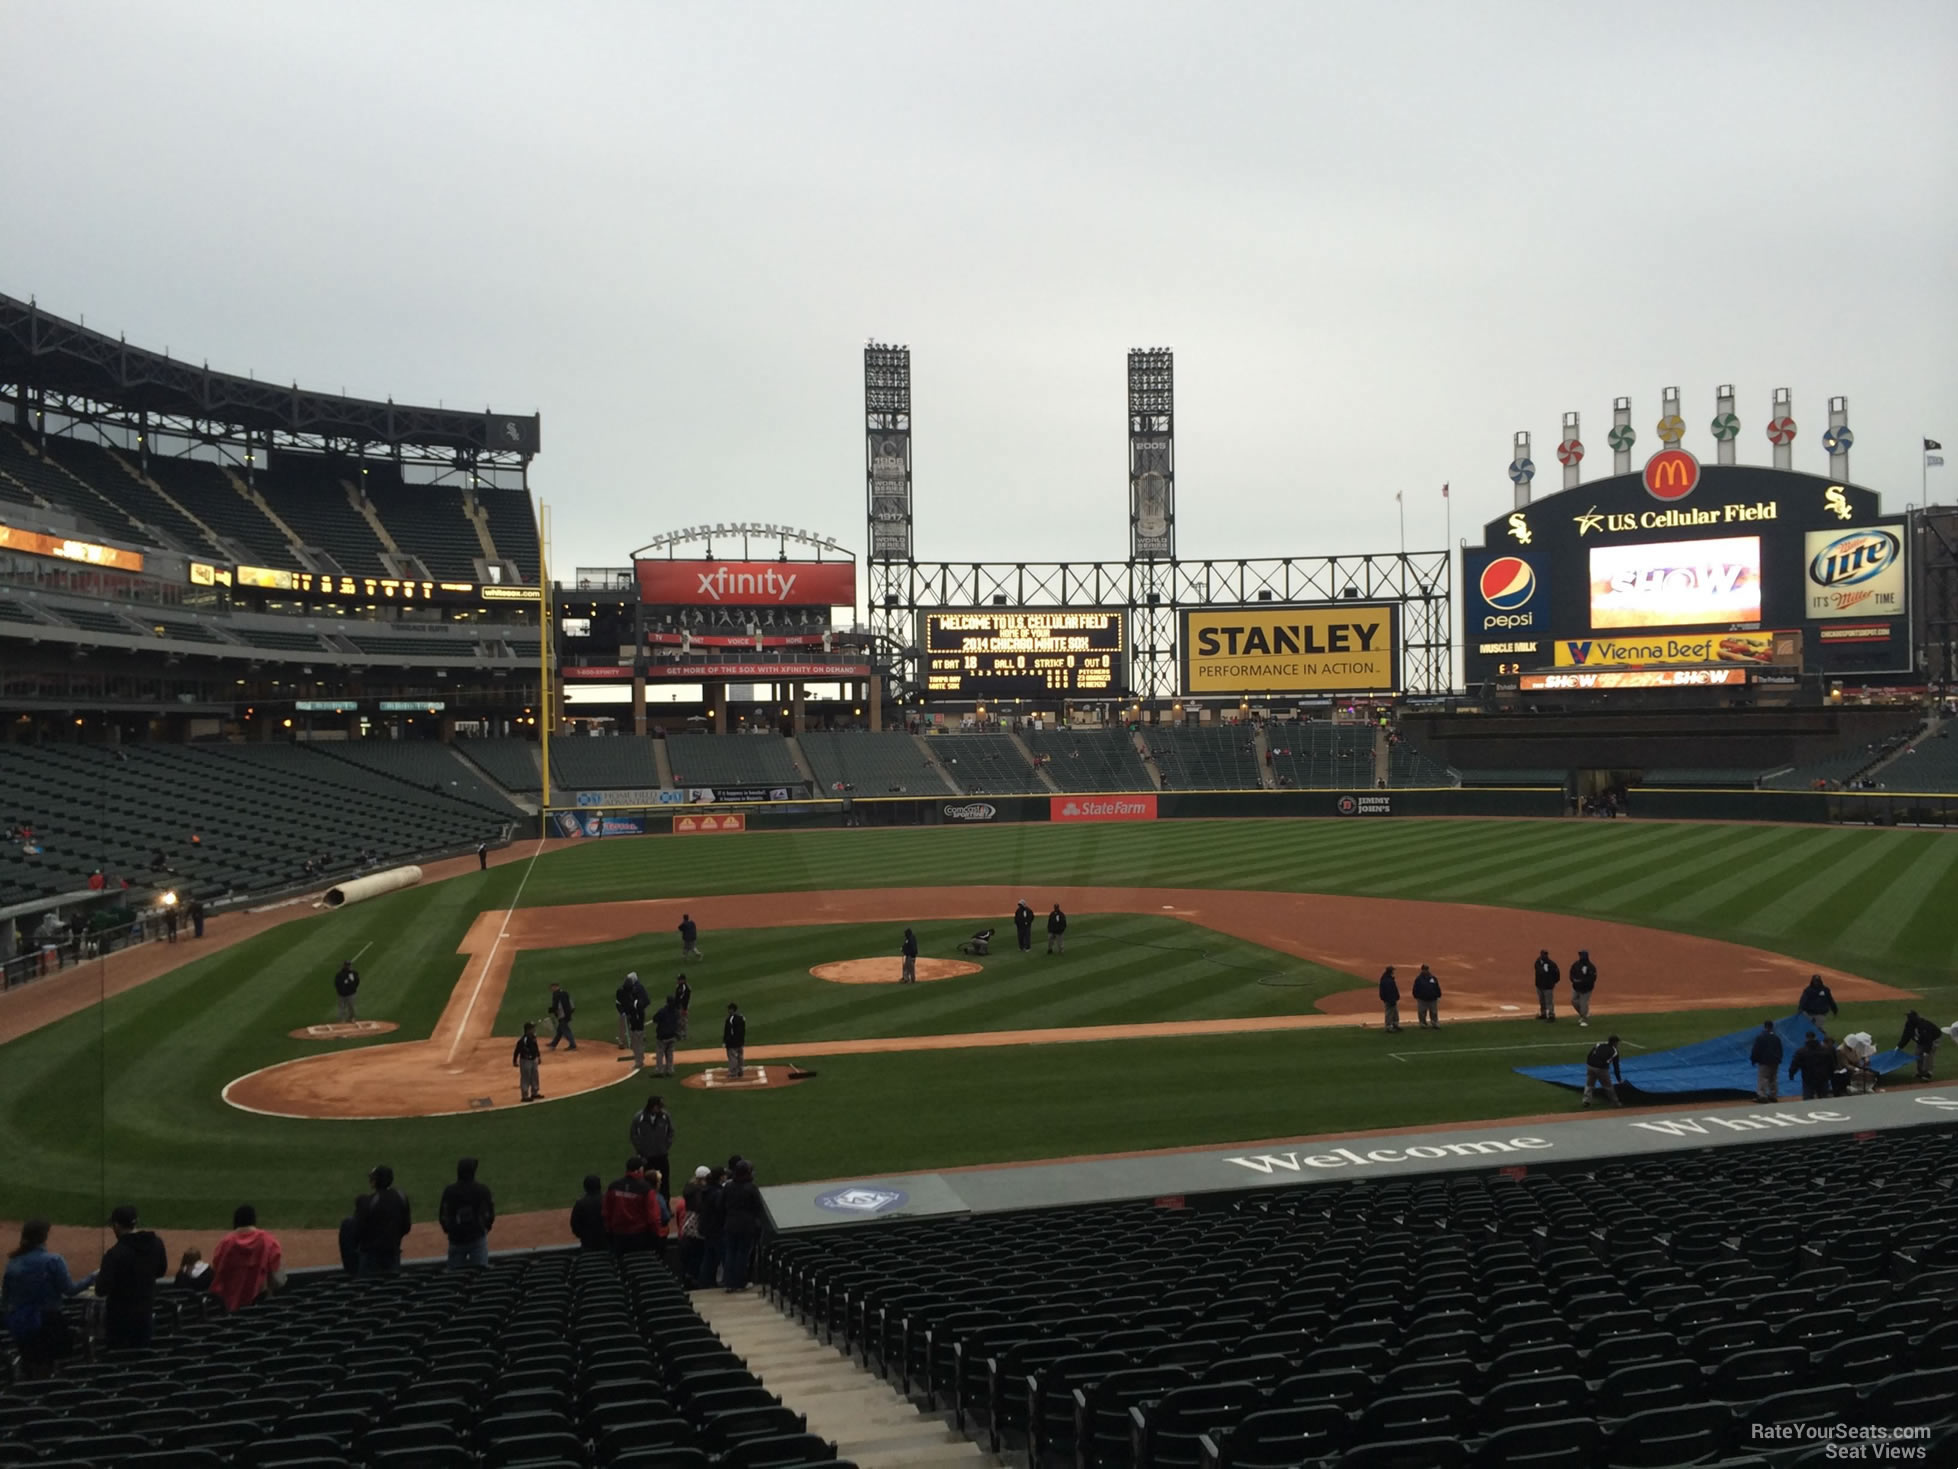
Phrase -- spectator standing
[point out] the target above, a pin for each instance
(127, 1281)
(741, 1226)
(247, 1263)
(683, 997)
(381, 1221)
(1816, 1001)
(346, 984)
(467, 1212)
(193, 1273)
(31, 1293)
(1427, 999)
(909, 949)
(482, 855)
(1390, 999)
(1547, 975)
(651, 1135)
(525, 1058)
(1057, 931)
(561, 1010)
(713, 1220)
(691, 1198)
(1766, 1056)
(628, 1210)
(588, 1216)
(734, 1039)
(689, 937)
(1601, 1064)
(666, 1031)
(196, 918)
(1923, 1034)
(1583, 979)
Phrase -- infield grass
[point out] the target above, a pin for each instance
(122, 1101)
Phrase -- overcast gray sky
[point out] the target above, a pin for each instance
(1380, 239)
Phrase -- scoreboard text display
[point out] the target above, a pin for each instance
(1742, 555)
(1021, 653)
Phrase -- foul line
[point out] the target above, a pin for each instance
(462, 1029)
(1486, 1050)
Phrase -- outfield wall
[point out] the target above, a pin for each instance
(1849, 808)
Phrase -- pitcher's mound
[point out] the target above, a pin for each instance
(342, 1031)
(889, 971)
(754, 1078)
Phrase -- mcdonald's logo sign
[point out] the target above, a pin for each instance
(1671, 474)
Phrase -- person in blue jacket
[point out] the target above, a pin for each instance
(1390, 998)
(1427, 1000)
(36, 1283)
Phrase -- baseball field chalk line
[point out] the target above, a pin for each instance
(482, 972)
(1489, 1050)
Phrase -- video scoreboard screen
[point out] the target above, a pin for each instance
(997, 653)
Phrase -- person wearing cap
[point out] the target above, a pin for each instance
(683, 1001)
(381, 1221)
(909, 949)
(346, 984)
(524, 1057)
(1547, 975)
(1390, 999)
(1427, 1000)
(666, 1034)
(621, 998)
(1815, 1063)
(1600, 1064)
(634, 1211)
(1057, 931)
(248, 1263)
(127, 1281)
(689, 937)
(651, 1134)
(635, 1023)
(734, 1039)
(1766, 1057)
(1583, 979)
(1023, 926)
(36, 1283)
(561, 1010)
(1816, 1001)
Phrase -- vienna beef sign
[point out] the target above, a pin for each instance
(1323, 648)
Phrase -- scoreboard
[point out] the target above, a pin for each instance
(1024, 653)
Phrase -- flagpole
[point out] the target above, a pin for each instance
(1400, 508)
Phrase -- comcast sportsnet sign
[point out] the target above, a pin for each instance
(1102, 808)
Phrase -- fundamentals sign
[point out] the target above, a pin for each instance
(1325, 648)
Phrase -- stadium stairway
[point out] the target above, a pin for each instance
(1261, 751)
(663, 763)
(1038, 770)
(871, 1425)
(1141, 744)
(930, 757)
(802, 765)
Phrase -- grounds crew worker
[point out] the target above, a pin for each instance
(1547, 975)
(346, 984)
(1923, 1033)
(1427, 1000)
(683, 998)
(1600, 1062)
(1766, 1056)
(734, 1038)
(1057, 931)
(909, 949)
(1390, 999)
(1583, 979)
(1023, 925)
(1816, 1001)
(561, 1012)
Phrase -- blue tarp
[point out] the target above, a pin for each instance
(1717, 1065)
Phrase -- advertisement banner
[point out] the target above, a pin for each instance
(592, 824)
(608, 671)
(1503, 594)
(1332, 647)
(1855, 573)
(646, 796)
(1152, 496)
(1676, 583)
(709, 795)
(1857, 632)
(1365, 806)
(695, 825)
(747, 583)
(65, 548)
(784, 668)
(971, 811)
(1631, 678)
(1758, 648)
(890, 495)
(1102, 808)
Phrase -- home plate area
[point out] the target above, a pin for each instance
(752, 1079)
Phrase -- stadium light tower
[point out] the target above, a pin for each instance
(1152, 518)
(887, 488)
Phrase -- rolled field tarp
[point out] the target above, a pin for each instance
(359, 889)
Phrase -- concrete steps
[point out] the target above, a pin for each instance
(871, 1426)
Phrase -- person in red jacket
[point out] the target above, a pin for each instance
(635, 1214)
(248, 1262)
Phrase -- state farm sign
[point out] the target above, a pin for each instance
(747, 583)
(1102, 808)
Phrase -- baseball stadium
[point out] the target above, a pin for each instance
(1040, 1092)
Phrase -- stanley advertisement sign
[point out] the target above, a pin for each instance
(1326, 648)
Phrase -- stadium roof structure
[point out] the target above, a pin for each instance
(88, 372)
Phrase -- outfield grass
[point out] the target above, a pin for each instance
(122, 1101)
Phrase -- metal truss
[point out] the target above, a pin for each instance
(51, 365)
(1152, 592)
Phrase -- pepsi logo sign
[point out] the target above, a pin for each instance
(1508, 586)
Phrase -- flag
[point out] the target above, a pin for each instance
(1444, 492)
(1934, 461)
(1931, 446)
(1397, 497)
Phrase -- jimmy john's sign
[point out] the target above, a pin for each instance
(1760, 649)
(1276, 648)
